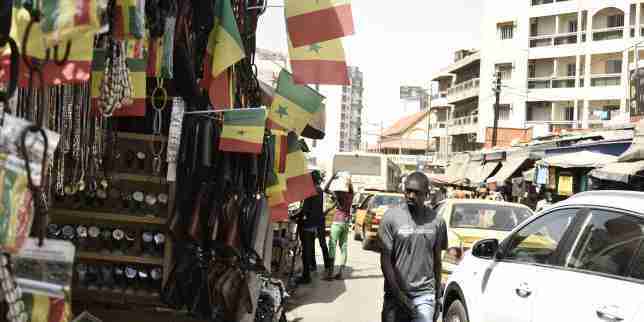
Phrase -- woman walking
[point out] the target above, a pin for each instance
(343, 198)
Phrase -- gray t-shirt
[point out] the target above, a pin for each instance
(410, 241)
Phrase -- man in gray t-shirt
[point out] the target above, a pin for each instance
(412, 238)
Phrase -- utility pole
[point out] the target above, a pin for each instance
(429, 126)
(497, 93)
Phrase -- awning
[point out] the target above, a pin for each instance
(636, 151)
(510, 166)
(438, 178)
(619, 171)
(485, 172)
(456, 170)
(473, 171)
(581, 159)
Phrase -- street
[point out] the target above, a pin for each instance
(357, 298)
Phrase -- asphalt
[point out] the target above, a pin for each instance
(356, 298)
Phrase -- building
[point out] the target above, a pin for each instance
(406, 141)
(413, 99)
(564, 64)
(454, 108)
(351, 112)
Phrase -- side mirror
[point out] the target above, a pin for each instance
(486, 248)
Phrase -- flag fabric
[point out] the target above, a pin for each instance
(42, 308)
(129, 19)
(279, 213)
(299, 183)
(293, 105)
(243, 130)
(319, 63)
(221, 89)
(66, 20)
(277, 181)
(311, 22)
(158, 64)
(225, 46)
(75, 70)
(137, 65)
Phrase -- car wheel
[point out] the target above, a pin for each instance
(366, 245)
(357, 236)
(456, 313)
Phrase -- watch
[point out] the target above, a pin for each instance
(156, 274)
(53, 231)
(159, 243)
(144, 280)
(119, 241)
(130, 279)
(140, 157)
(81, 236)
(107, 276)
(147, 239)
(119, 278)
(106, 240)
(68, 233)
(130, 240)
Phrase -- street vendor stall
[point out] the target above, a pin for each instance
(144, 164)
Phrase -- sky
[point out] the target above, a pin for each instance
(396, 43)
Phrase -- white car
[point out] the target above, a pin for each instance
(581, 260)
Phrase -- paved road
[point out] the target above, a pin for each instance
(357, 298)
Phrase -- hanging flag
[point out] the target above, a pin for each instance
(299, 183)
(41, 308)
(221, 89)
(243, 130)
(293, 105)
(67, 20)
(277, 177)
(279, 213)
(129, 19)
(311, 22)
(225, 46)
(319, 63)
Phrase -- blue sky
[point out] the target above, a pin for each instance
(396, 43)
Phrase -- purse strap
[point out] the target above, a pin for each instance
(40, 202)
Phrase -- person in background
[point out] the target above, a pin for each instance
(321, 228)
(413, 237)
(493, 193)
(340, 227)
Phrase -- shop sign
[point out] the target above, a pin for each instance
(565, 186)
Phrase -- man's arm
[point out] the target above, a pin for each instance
(328, 184)
(439, 246)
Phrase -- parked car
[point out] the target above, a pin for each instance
(470, 220)
(581, 260)
(368, 215)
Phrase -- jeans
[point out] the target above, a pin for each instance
(424, 306)
(308, 252)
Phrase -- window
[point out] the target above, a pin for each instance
(538, 241)
(571, 70)
(607, 243)
(637, 270)
(615, 21)
(505, 30)
(482, 216)
(504, 112)
(505, 70)
(614, 66)
(569, 113)
(532, 71)
(572, 26)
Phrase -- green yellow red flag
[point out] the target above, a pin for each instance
(315, 21)
(243, 130)
(42, 308)
(299, 183)
(319, 63)
(277, 181)
(129, 19)
(293, 105)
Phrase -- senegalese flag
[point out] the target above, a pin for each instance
(299, 183)
(137, 65)
(277, 183)
(42, 308)
(319, 63)
(64, 20)
(158, 56)
(221, 89)
(279, 213)
(315, 21)
(75, 70)
(129, 19)
(293, 105)
(225, 46)
(243, 130)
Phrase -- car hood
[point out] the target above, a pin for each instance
(467, 236)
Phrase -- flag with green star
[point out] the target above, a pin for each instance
(319, 63)
(243, 130)
(293, 105)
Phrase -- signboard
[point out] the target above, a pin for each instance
(565, 186)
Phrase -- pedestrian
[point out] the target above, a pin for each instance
(309, 220)
(340, 227)
(413, 237)
(321, 229)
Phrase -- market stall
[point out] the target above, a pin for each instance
(141, 153)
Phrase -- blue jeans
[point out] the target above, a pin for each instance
(424, 308)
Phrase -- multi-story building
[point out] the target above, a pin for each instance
(350, 134)
(564, 64)
(454, 108)
(413, 99)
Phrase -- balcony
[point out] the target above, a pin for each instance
(464, 90)
(463, 125)
(555, 40)
(553, 82)
(604, 80)
(608, 33)
(542, 2)
(439, 100)
(438, 129)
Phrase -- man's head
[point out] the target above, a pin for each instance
(491, 184)
(416, 190)
(317, 177)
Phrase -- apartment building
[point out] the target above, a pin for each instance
(454, 107)
(413, 99)
(351, 113)
(564, 64)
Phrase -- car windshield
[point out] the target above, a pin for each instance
(487, 216)
(387, 201)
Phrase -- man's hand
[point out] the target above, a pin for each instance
(406, 304)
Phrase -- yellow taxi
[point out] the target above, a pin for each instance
(368, 214)
(470, 220)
